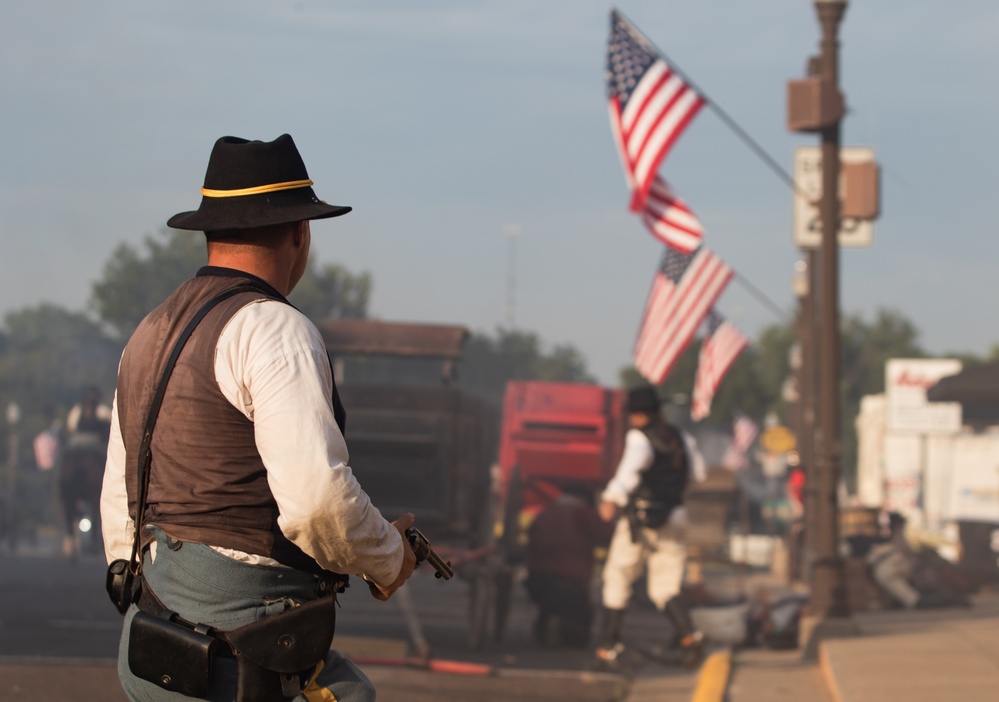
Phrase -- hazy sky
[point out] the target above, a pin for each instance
(443, 123)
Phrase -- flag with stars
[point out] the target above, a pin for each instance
(722, 344)
(669, 219)
(650, 105)
(684, 290)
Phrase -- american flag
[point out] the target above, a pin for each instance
(669, 219)
(744, 431)
(721, 346)
(685, 288)
(650, 105)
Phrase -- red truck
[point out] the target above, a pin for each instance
(553, 434)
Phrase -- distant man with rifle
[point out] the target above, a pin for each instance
(645, 497)
(230, 511)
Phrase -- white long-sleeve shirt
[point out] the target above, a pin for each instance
(271, 365)
(638, 456)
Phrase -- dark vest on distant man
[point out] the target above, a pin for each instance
(665, 481)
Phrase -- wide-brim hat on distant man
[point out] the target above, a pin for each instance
(643, 400)
(251, 184)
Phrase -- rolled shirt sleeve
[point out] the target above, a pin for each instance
(638, 455)
(271, 364)
(117, 527)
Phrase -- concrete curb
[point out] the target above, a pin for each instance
(712, 681)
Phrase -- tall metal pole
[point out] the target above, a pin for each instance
(807, 417)
(828, 591)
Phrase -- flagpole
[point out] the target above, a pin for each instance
(724, 116)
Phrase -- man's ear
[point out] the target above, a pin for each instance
(298, 233)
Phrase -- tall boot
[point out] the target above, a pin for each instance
(610, 647)
(611, 632)
(677, 612)
(689, 639)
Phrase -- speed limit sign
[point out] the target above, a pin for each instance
(807, 224)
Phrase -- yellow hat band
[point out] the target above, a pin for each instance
(258, 190)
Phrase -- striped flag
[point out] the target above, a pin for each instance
(669, 219)
(721, 346)
(744, 431)
(650, 105)
(685, 288)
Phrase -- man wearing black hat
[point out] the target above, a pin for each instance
(645, 496)
(227, 488)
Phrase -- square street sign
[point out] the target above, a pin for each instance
(807, 221)
(908, 410)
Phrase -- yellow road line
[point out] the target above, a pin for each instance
(712, 681)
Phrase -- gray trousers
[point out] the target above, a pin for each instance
(206, 587)
(891, 569)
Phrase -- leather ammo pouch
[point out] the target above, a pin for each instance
(649, 513)
(271, 654)
(274, 653)
(173, 656)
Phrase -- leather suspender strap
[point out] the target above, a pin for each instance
(145, 448)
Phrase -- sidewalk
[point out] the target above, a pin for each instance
(910, 656)
(918, 656)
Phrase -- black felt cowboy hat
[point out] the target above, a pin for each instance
(255, 184)
(643, 400)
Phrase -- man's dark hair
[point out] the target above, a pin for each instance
(268, 237)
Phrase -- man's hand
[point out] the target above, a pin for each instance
(383, 592)
(608, 511)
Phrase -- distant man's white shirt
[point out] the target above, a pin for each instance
(638, 456)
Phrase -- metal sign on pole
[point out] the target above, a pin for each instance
(854, 232)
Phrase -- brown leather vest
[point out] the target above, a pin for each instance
(207, 483)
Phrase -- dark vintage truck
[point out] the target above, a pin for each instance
(418, 443)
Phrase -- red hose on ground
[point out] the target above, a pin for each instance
(437, 666)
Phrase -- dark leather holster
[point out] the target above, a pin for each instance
(170, 655)
(276, 655)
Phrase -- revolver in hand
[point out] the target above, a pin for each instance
(423, 551)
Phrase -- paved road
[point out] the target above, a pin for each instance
(59, 637)
(51, 608)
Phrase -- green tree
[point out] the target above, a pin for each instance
(865, 347)
(136, 279)
(53, 354)
(331, 290)
(489, 362)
